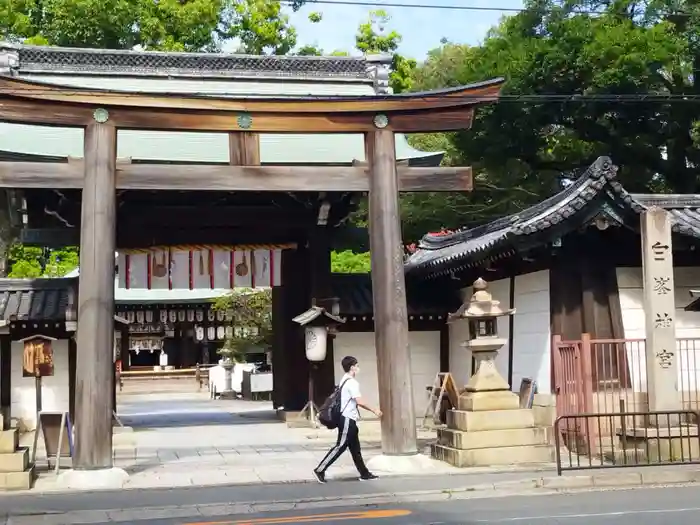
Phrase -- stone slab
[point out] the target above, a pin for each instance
(518, 455)
(17, 480)
(111, 478)
(490, 420)
(415, 464)
(15, 461)
(492, 438)
(9, 441)
(485, 401)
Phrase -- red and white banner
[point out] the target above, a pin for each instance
(203, 268)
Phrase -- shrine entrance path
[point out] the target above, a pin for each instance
(186, 439)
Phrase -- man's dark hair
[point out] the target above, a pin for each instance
(348, 362)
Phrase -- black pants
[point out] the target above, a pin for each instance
(348, 437)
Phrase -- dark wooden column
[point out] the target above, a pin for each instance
(5, 379)
(320, 254)
(95, 371)
(125, 347)
(389, 296)
(72, 362)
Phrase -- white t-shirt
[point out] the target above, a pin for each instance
(348, 397)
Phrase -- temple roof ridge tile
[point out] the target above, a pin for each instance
(446, 252)
(50, 59)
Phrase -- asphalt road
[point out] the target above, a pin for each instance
(650, 506)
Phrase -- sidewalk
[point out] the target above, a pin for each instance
(190, 440)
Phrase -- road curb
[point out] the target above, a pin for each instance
(537, 485)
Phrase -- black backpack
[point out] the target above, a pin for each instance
(329, 413)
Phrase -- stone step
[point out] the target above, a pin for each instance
(17, 480)
(9, 441)
(490, 419)
(484, 457)
(492, 438)
(15, 462)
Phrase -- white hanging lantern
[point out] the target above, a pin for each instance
(130, 316)
(172, 316)
(199, 333)
(200, 316)
(140, 316)
(220, 332)
(211, 315)
(211, 333)
(181, 316)
(149, 316)
(316, 339)
(163, 316)
(190, 315)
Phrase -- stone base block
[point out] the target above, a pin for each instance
(101, 479)
(17, 480)
(492, 438)
(484, 457)
(664, 444)
(15, 462)
(415, 464)
(484, 401)
(9, 441)
(490, 420)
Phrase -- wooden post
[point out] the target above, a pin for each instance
(5, 379)
(389, 297)
(72, 358)
(94, 367)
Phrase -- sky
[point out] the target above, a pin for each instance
(420, 28)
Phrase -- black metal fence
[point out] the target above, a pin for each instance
(627, 439)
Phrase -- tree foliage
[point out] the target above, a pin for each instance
(30, 262)
(252, 322)
(348, 261)
(165, 25)
(579, 79)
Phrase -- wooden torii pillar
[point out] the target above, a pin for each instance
(101, 113)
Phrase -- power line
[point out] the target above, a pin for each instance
(366, 3)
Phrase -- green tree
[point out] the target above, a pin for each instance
(168, 25)
(31, 262)
(348, 261)
(579, 85)
(372, 38)
(252, 322)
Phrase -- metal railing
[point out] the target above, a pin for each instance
(627, 439)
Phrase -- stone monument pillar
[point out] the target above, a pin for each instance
(660, 311)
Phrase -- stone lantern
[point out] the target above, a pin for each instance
(486, 386)
(319, 324)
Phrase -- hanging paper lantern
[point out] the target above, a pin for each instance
(316, 343)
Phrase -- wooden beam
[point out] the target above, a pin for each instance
(5, 380)
(232, 178)
(389, 298)
(445, 110)
(244, 149)
(200, 216)
(95, 337)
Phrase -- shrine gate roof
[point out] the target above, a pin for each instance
(596, 194)
(45, 300)
(203, 74)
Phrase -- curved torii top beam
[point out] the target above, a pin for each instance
(26, 102)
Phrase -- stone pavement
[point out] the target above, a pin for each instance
(180, 440)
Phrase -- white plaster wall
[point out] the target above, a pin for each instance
(460, 357)
(631, 290)
(54, 389)
(425, 363)
(532, 331)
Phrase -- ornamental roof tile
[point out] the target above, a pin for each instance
(596, 192)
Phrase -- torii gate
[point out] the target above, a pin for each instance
(101, 113)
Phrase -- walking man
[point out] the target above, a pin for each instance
(348, 432)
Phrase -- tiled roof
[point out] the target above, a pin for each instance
(38, 299)
(596, 193)
(355, 294)
(110, 61)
